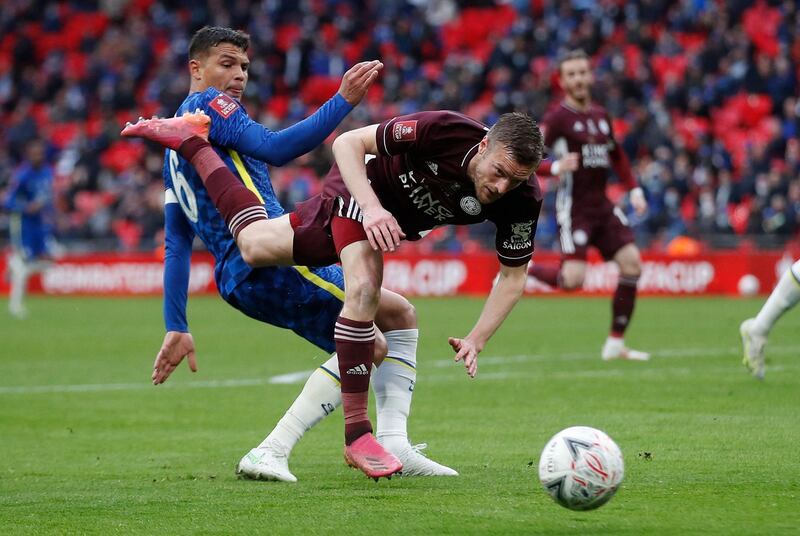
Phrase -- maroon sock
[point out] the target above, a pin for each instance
(622, 305)
(546, 273)
(355, 344)
(239, 206)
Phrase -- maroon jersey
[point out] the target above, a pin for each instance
(584, 213)
(589, 134)
(420, 176)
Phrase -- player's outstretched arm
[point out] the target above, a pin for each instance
(178, 237)
(350, 150)
(175, 347)
(504, 295)
(279, 147)
(622, 167)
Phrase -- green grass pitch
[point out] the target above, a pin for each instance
(88, 446)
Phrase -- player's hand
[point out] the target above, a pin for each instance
(176, 346)
(466, 351)
(568, 163)
(638, 201)
(383, 231)
(358, 80)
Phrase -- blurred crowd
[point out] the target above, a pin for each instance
(704, 94)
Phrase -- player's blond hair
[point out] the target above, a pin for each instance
(575, 54)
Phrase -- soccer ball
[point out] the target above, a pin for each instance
(581, 468)
(749, 285)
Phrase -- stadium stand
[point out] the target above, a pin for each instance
(704, 93)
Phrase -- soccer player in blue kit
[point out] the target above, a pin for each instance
(29, 199)
(305, 300)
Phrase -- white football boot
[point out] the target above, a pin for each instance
(753, 346)
(266, 463)
(614, 348)
(417, 464)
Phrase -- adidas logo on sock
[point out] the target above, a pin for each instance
(360, 370)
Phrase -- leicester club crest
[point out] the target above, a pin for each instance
(470, 205)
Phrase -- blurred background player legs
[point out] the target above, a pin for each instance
(29, 199)
(20, 269)
(754, 331)
(622, 305)
(570, 275)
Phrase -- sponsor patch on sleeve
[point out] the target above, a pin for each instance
(224, 105)
(405, 131)
(170, 197)
(520, 236)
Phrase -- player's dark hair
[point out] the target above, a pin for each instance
(210, 36)
(575, 54)
(520, 134)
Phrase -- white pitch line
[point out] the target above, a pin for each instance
(666, 353)
(293, 377)
(487, 361)
(94, 387)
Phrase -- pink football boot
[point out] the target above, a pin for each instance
(170, 132)
(366, 454)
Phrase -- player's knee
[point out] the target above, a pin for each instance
(407, 315)
(633, 269)
(381, 348)
(249, 248)
(570, 282)
(249, 257)
(631, 265)
(395, 312)
(260, 245)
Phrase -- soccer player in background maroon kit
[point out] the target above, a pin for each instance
(430, 169)
(581, 140)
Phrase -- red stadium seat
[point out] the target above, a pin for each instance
(669, 66)
(739, 216)
(128, 233)
(75, 65)
(633, 59)
(48, 42)
(61, 134)
(621, 127)
(690, 42)
(761, 24)
(122, 155)
(285, 36)
(39, 112)
(473, 29)
(353, 51)
(318, 89)
(750, 108)
(277, 106)
(691, 129)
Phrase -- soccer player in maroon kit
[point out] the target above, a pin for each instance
(581, 140)
(430, 169)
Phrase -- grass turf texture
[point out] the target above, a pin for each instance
(708, 449)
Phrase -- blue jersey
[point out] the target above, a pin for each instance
(246, 147)
(30, 201)
(185, 186)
